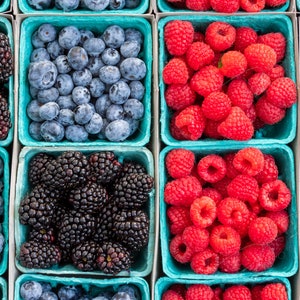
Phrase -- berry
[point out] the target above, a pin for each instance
(275, 3)
(230, 263)
(62, 64)
(48, 95)
(276, 72)
(39, 54)
(252, 6)
(231, 170)
(205, 262)
(178, 219)
(96, 6)
(195, 238)
(133, 68)
(262, 230)
(69, 292)
(31, 290)
(269, 171)
(199, 291)
(82, 77)
(134, 109)
(202, 5)
(281, 219)
(212, 193)
(175, 72)
(276, 290)
(179, 250)
(76, 133)
(67, 6)
(68, 37)
(228, 6)
(130, 49)
(117, 131)
(245, 36)
(171, 295)
(137, 89)
(113, 36)
(232, 64)
(77, 58)
(5, 117)
(237, 292)
(258, 83)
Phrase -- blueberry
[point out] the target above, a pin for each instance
(96, 87)
(102, 104)
(54, 49)
(83, 113)
(49, 111)
(66, 102)
(109, 74)
(137, 89)
(66, 117)
(69, 292)
(94, 46)
(67, 5)
(114, 112)
(76, 133)
(117, 131)
(77, 58)
(48, 296)
(42, 74)
(39, 54)
(33, 91)
(94, 65)
(122, 296)
(113, 36)
(132, 34)
(110, 56)
(46, 286)
(81, 95)
(116, 4)
(62, 64)
(96, 5)
(47, 32)
(31, 290)
(130, 289)
(133, 124)
(94, 126)
(48, 95)
(133, 68)
(69, 37)
(64, 84)
(40, 4)
(134, 109)
(85, 34)
(36, 41)
(130, 49)
(132, 3)
(33, 110)
(35, 130)
(119, 92)
(52, 131)
(82, 77)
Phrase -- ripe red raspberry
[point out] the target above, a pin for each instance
(227, 6)
(221, 186)
(275, 40)
(205, 262)
(196, 238)
(178, 288)
(179, 250)
(198, 36)
(199, 55)
(174, 130)
(198, 5)
(275, 3)
(207, 80)
(211, 129)
(225, 240)
(203, 212)
(220, 35)
(274, 195)
(212, 193)
(199, 291)
(218, 293)
(257, 258)
(262, 230)
(237, 126)
(281, 219)
(245, 36)
(260, 57)
(191, 122)
(179, 96)
(276, 72)
(182, 191)
(282, 92)
(249, 161)
(273, 291)
(252, 6)
(178, 218)
(175, 72)
(171, 295)
(237, 292)
(243, 187)
(232, 64)
(231, 170)
(278, 245)
(269, 171)
(180, 162)
(258, 83)
(256, 291)
(230, 263)
(251, 113)
(178, 36)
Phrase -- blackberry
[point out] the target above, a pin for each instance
(58, 214)
(132, 228)
(6, 60)
(42, 235)
(113, 258)
(89, 198)
(5, 120)
(39, 255)
(84, 256)
(66, 256)
(132, 190)
(130, 167)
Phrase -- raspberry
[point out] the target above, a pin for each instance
(180, 162)
(252, 6)
(274, 3)
(258, 83)
(251, 113)
(203, 212)
(276, 72)
(262, 230)
(245, 36)
(281, 219)
(225, 240)
(191, 122)
(179, 219)
(243, 187)
(237, 126)
(211, 129)
(205, 262)
(212, 193)
(179, 250)
(207, 80)
(231, 170)
(232, 64)
(199, 291)
(257, 258)
(198, 36)
(221, 186)
(256, 291)
(178, 288)
(227, 6)
(178, 36)
(174, 130)
(260, 57)
(274, 195)
(198, 5)
(199, 55)
(220, 35)
(230, 263)
(274, 291)
(275, 40)
(278, 245)
(218, 293)
(211, 168)
(175, 72)
(282, 92)
(179, 96)
(237, 292)
(249, 161)
(196, 238)
(171, 295)
(182, 191)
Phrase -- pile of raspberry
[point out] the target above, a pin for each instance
(225, 83)
(226, 212)
(262, 291)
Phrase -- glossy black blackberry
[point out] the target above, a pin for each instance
(113, 258)
(132, 228)
(5, 117)
(6, 59)
(42, 235)
(132, 190)
(40, 255)
(130, 167)
(84, 256)
(58, 214)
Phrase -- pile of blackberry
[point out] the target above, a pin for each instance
(85, 210)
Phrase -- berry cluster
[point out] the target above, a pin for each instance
(224, 83)
(85, 85)
(85, 210)
(226, 212)
(262, 291)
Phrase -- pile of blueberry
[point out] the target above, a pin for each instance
(84, 85)
(34, 290)
(1, 205)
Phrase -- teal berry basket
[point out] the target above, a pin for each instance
(6, 28)
(3, 289)
(5, 6)
(97, 24)
(282, 132)
(91, 286)
(143, 261)
(285, 265)
(164, 283)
